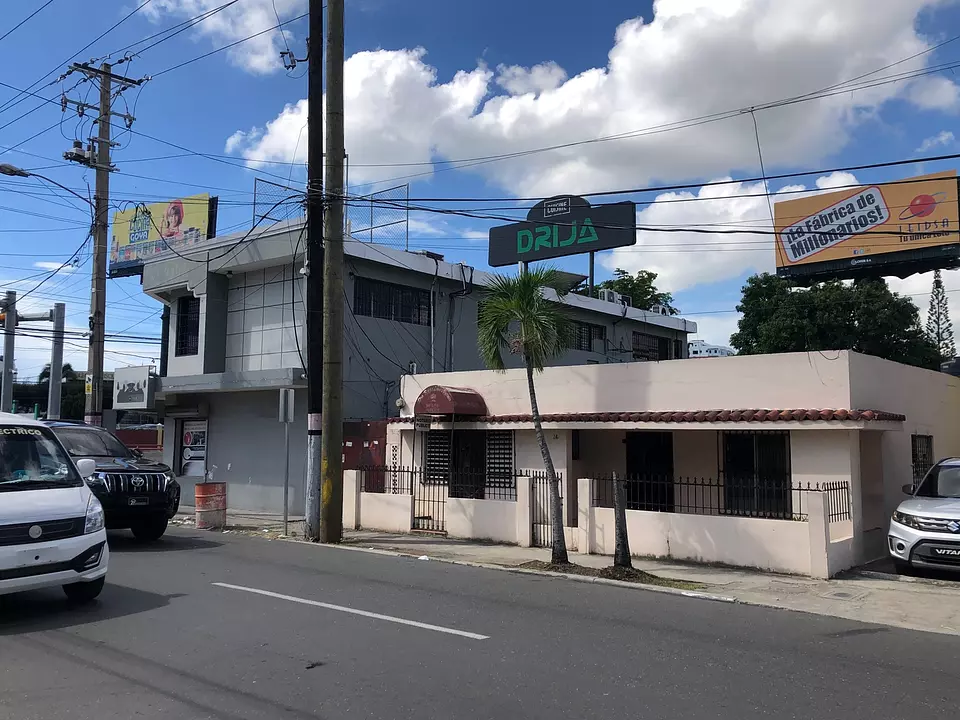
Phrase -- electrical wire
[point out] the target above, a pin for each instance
(25, 20)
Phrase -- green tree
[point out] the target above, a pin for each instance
(516, 318)
(864, 316)
(68, 373)
(640, 288)
(939, 327)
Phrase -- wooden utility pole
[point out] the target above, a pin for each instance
(331, 461)
(314, 265)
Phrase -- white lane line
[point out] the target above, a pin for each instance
(354, 611)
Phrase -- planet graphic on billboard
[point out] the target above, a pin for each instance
(922, 206)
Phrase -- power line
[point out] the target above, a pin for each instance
(26, 19)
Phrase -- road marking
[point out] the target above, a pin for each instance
(354, 611)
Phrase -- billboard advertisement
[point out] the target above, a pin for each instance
(132, 388)
(561, 226)
(141, 232)
(898, 228)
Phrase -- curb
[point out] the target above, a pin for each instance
(542, 573)
(929, 582)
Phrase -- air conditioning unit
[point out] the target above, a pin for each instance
(626, 300)
(659, 310)
(610, 296)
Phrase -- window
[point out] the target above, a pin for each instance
(188, 326)
(650, 347)
(756, 474)
(583, 334)
(500, 459)
(677, 350)
(921, 456)
(437, 457)
(386, 301)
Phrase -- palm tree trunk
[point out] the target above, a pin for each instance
(559, 556)
(621, 554)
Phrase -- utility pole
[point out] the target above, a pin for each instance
(56, 363)
(314, 268)
(9, 348)
(331, 461)
(99, 159)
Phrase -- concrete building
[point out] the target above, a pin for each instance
(234, 337)
(807, 489)
(702, 349)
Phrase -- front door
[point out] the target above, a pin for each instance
(469, 467)
(650, 471)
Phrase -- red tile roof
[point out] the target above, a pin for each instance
(700, 416)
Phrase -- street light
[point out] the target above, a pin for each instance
(13, 171)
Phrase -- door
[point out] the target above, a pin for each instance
(469, 464)
(650, 471)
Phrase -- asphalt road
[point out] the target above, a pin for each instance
(294, 631)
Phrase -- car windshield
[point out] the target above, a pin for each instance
(91, 442)
(31, 458)
(943, 481)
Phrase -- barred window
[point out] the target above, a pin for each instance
(583, 334)
(387, 301)
(187, 340)
(650, 347)
(756, 474)
(921, 456)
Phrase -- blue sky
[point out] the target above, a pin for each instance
(431, 80)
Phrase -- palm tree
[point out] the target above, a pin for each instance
(67, 374)
(516, 317)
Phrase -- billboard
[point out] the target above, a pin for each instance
(132, 389)
(141, 232)
(561, 226)
(897, 228)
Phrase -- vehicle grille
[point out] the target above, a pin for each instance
(128, 482)
(939, 525)
(50, 530)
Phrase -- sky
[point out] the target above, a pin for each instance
(629, 95)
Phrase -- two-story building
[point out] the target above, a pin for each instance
(233, 329)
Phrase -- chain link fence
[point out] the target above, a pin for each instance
(382, 217)
(267, 195)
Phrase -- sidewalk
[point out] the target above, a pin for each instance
(926, 606)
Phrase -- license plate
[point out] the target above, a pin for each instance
(134, 501)
(26, 558)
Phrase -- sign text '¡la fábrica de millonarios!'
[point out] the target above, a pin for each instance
(854, 215)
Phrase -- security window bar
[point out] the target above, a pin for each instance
(584, 334)
(437, 457)
(650, 347)
(500, 459)
(386, 301)
(756, 474)
(921, 456)
(188, 327)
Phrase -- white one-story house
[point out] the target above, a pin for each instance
(792, 462)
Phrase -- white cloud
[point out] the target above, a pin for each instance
(54, 267)
(261, 55)
(919, 287)
(944, 138)
(518, 80)
(716, 327)
(935, 93)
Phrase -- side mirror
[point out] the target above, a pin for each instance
(86, 467)
(908, 489)
(137, 453)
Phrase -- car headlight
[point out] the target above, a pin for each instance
(94, 521)
(99, 481)
(906, 519)
(168, 479)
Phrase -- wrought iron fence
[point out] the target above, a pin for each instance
(541, 517)
(468, 484)
(392, 480)
(738, 497)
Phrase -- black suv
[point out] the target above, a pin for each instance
(135, 493)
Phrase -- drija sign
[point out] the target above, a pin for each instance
(561, 226)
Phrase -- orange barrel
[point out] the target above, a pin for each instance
(210, 499)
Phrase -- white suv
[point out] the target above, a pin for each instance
(925, 530)
(51, 525)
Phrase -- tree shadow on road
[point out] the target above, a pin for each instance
(48, 609)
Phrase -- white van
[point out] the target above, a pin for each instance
(51, 525)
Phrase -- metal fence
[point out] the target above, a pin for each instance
(738, 497)
(468, 484)
(382, 217)
(267, 194)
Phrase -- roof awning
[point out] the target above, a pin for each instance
(440, 400)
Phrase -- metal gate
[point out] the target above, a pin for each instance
(431, 485)
(542, 530)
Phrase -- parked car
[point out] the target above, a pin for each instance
(136, 494)
(51, 525)
(925, 530)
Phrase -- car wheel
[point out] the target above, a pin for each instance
(84, 592)
(903, 568)
(150, 530)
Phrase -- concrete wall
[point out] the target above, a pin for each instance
(186, 364)
(389, 513)
(795, 380)
(494, 520)
(776, 545)
(931, 402)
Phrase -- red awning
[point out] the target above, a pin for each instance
(440, 400)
